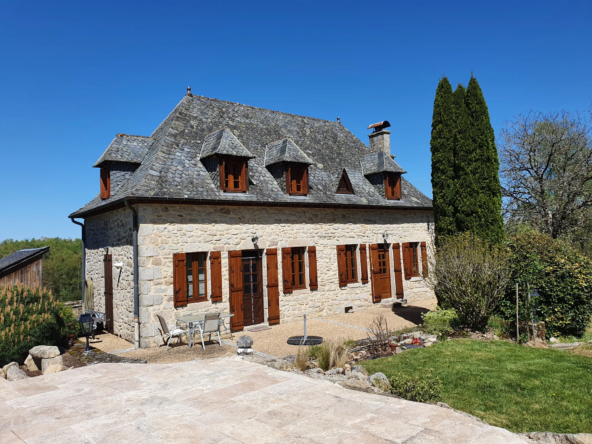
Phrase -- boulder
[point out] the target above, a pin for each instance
(315, 371)
(14, 373)
(55, 369)
(416, 334)
(380, 380)
(356, 384)
(6, 367)
(428, 344)
(360, 369)
(281, 364)
(44, 352)
(335, 371)
(359, 376)
(553, 340)
(31, 364)
(244, 342)
(46, 363)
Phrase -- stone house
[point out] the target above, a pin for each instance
(267, 215)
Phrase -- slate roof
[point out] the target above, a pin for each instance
(285, 150)
(225, 143)
(380, 162)
(172, 170)
(124, 148)
(10, 263)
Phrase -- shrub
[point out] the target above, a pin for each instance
(414, 388)
(470, 276)
(330, 354)
(443, 322)
(561, 275)
(378, 335)
(302, 358)
(30, 317)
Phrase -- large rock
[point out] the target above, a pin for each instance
(380, 380)
(46, 363)
(14, 373)
(44, 351)
(6, 367)
(356, 384)
(244, 342)
(357, 376)
(360, 369)
(31, 364)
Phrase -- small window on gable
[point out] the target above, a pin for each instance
(234, 177)
(392, 184)
(345, 186)
(297, 179)
(105, 182)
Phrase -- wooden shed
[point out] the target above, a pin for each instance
(23, 267)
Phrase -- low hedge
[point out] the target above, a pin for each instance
(561, 275)
(30, 317)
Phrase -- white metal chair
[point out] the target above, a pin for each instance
(168, 334)
(211, 325)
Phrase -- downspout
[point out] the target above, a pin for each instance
(83, 257)
(136, 292)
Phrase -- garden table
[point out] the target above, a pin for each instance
(196, 321)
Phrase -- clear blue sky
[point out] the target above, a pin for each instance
(73, 74)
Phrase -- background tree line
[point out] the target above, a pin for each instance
(62, 265)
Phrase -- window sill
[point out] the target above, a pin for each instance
(415, 279)
(353, 285)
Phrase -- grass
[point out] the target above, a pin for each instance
(519, 388)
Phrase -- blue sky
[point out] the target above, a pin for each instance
(73, 74)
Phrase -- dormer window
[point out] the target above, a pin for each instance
(234, 177)
(345, 186)
(392, 184)
(297, 179)
(105, 182)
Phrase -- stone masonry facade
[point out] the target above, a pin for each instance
(168, 229)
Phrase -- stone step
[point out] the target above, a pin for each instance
(392, 302)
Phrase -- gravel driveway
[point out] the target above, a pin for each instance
(225, 400)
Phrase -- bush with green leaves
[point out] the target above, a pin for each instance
(427, 388)
(562, 277)
(30, 317)
(440, 321)
(471, 276)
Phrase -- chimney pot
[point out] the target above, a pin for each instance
(380, 141)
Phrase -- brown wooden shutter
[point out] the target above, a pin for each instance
(221, 172)
(287, 269)
(407, 261)
(398, 271)
(374, 266)
(235, 275)
(364, 263)
(273, 295)
(245, 176)
(180, 279)
(288, 181)
(397, 178)
(216, 271)
(105, 182)
(341, 265)
(305, 181)
(424, 260)
(312, 268)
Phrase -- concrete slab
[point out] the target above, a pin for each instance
(225, 400)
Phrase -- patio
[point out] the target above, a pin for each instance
(224, 400)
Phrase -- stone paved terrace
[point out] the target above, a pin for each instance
(224, 400)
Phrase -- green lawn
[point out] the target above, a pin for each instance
(519, 388)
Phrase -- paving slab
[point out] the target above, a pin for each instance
(223, 400)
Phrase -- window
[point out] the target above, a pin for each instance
(190, 278)
(345, 186)
(411, 255)
(347, 265)
(197, 285)
(415, 252)
(297, 179)
(298, 266)
(392, 184)
(105, 182)
(234, 177)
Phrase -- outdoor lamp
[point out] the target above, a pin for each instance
(86, 327)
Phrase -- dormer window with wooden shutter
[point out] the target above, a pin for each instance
(392, 184)
(345, 186)
(297, 179)
(234, 177)
(105, 182)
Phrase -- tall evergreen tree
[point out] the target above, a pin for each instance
(466, 178)
(442, 148)
(485, 170)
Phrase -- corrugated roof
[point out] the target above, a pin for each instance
(12, 261)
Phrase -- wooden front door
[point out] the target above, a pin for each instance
(252, 288)
(108, 263)
(381, 275)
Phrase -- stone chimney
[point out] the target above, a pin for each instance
(380, 139)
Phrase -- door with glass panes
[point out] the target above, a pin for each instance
(252, 288)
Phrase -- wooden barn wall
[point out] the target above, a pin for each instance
(29, 275)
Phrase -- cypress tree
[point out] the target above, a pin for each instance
(485, 170)
(442, 148)
(466, 196)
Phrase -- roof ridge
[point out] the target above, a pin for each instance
(131, 135)
(267, 109)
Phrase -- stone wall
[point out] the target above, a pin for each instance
(165, 230)
(112, 232)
